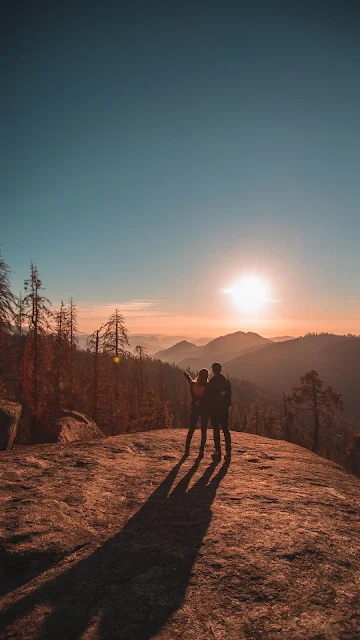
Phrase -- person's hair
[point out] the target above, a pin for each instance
(202, 376)
(216, 367)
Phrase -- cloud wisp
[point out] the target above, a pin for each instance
(128, 308)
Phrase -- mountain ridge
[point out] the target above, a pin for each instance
(278, 367)
(219, 348)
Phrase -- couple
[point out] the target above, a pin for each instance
(210, 399)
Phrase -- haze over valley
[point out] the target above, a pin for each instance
(180, 320)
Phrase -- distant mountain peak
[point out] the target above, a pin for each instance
(221, 349)
(179, 351)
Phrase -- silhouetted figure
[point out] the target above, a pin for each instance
(219, 401)
(199, 408)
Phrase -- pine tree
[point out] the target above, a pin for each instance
(94, 344)
(38, 316)
(353, 454)
(19, 330)
(7, 298)
(234, 418)
(319, 402)
(115, 341)
(161, 382)
(272, 423)
(147, 412)
(141, 356)
(288, 419)
(74, 343)
(62, 352)
(163, 417)
(245, 421)
(116, 335)
(66, 344)
(7, 302)
(256, 416)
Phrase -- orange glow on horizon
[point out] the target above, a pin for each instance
(216, 326)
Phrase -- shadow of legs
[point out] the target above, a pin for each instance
(138, 578)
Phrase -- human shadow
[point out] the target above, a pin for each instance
(133, 583)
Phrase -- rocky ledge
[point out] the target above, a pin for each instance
(124, 538)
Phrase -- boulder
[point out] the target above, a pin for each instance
(10, 413)
(65, 426)
(354, 456)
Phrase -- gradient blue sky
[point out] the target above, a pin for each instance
(153, 152)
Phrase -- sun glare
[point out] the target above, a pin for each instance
(250, 294)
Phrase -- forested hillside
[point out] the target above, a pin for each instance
(220, 349)
(177, 352)
(279, 366)
(43, 369)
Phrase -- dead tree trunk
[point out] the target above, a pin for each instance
(96, 374)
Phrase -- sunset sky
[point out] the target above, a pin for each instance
(155, 153)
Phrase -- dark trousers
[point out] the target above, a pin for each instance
(196, 413)
(220, 419)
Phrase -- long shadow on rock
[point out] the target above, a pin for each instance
(17, 569)
(129, 587)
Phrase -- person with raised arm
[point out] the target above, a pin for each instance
(199, 408)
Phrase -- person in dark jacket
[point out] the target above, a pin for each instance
(219, 401)
(199, 408)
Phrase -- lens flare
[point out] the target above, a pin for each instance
(250, 294)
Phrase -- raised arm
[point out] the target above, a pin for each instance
(188, 377)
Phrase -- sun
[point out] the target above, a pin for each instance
(250, 294)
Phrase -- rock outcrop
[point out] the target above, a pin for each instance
(66, 426)
(123, 538)
(10, 413)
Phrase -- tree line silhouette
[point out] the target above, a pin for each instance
(43, 368)
(310, 416)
